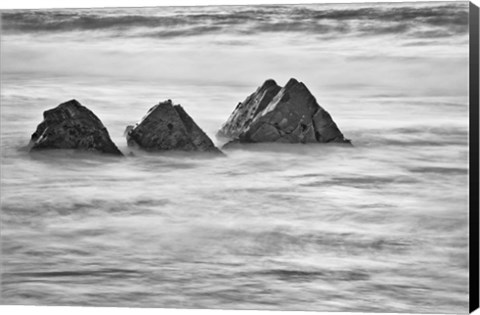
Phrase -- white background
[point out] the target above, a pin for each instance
(30, 4)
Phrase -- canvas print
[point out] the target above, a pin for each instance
(269, 157)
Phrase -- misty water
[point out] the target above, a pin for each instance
(382, 226)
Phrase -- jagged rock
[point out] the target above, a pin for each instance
(168, 127)
(72, 126)
(245, 112)
(274, 114)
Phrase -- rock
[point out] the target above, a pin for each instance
(274, 114)
(169, 127)
(72, 126)
(245, 112)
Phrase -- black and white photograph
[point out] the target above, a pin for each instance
(285, 157)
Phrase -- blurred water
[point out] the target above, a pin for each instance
(382, 226)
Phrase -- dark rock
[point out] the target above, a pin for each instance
(168, 127)
(245, 112)
(289, 114)
(72, 126)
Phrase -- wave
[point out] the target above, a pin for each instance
(312, 275)
(72, 273)
(440, 170)
(413, 136)
(418, 21)
(363, 182)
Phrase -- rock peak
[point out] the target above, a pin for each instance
(291, 83)
(294, 87)
(164, 103)
(71, 102)
(72, 106)
(269, 83)
(159, 109)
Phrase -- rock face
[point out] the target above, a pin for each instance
(72, 126)
(275, 114)
(169, 127)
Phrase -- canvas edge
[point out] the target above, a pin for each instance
(474, 159)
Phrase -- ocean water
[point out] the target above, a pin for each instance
(382, 226)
